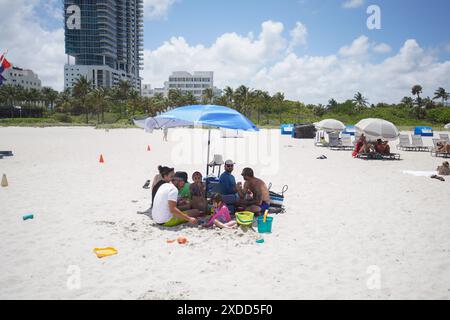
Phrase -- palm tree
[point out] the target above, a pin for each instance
(441, 94)
(100, 100)
(64, 101)
(189, 98)
(241, 99)
(208, 95)
(228, 93)
(360, 101)
(10, 93)
(278, 99)
(49, 96)
(408, 101)
(81, 90)
(416, 91)
(122, 93)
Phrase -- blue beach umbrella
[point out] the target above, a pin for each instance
(199, 115)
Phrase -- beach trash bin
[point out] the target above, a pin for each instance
(265, 227)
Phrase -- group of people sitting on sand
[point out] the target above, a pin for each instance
(365, 147)
(176, 201)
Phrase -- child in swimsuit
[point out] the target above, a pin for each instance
(221, 217)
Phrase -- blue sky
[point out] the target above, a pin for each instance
(329, 24)
(311, 50)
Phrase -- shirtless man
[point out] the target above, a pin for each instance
(382, 147)
(261, 197)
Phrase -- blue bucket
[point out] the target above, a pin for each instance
(265, 227)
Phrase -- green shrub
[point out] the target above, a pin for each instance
(62, 117)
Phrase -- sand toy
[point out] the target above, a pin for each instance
(105, 252)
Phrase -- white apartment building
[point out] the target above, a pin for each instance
(195, 83)
(22, 77)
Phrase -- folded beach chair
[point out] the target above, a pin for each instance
(405, 144)
(417, 142)
(334, 142)
(217, 162)
(436, 153)
(444, 137)
(347, 143)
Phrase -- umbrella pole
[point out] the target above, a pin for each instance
(207, 163)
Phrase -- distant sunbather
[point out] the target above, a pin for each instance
(444, 170)
(443, 147)
(382, 147)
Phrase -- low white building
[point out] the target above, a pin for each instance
(100, 76)
(195, 83)
(22, 77)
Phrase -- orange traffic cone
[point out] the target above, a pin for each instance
(149, 149)
(101, 159)
(4, 181)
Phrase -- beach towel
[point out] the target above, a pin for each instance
(427, 174)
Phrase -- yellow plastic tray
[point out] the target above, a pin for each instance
(105, 252)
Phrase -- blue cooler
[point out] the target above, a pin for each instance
(424, 131)
(286, 129)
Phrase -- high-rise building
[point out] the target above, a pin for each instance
(105, 39)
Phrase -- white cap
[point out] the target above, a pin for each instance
(229, 163)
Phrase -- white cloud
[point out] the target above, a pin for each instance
(157, 9)
(382, 48)
(30, 45)
(351, 4)
(266, 63)
(298, 35)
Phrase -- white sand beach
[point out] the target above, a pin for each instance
(348, 222)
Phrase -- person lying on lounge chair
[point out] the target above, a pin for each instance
(443, 147)
(444, 170)
(261, 195)
(382, 147)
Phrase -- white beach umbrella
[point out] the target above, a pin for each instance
(375, 129)
(330, 125)
(447, 126)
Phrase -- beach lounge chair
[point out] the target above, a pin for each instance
(378, 156)
(343, 144)
(6, 153)
(405, 143)
(417, 142)
(217, 162)
(444, 137)
(436, 153)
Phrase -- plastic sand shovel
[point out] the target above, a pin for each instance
(28, 217)
(265, 216)
(260, 241)
(105, 252)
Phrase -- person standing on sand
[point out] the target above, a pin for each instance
(166, 133)
(261, 195)
(165, 211)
